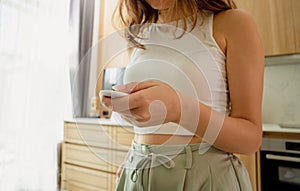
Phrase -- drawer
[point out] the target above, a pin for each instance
(77, 186)
(93, 135)
(124, 136)
(115, 137)
(76, 178)
(93, 157)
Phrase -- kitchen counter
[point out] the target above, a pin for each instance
(276, 131)
(267, 127)
(99, 121)
(115, 121)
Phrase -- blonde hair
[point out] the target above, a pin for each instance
(133, 14)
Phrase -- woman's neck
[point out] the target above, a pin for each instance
(164, 16)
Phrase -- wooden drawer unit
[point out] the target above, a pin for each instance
(93, 157)
(122, 135)
(98, 135)
(78, 178)
(91, 154)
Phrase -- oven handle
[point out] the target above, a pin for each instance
(282, 158)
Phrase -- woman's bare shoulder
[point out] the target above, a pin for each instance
(234, 26)
(234, 21)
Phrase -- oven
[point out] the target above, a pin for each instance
(280, 165)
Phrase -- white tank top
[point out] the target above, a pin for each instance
(192, 64)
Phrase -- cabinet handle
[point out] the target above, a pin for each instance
(282, 158)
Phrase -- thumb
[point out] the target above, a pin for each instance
(135, 86)
(127, 88)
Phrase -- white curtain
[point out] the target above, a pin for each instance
(34, 91)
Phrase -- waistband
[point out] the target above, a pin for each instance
(169, 150)
(165, 156)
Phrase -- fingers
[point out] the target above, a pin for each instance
(135, 86)
(126, 103)
(105, 101)
(125, 87)
(139, 116)
(120, 104)
(144, 85)
(153, 115)
(145, 105)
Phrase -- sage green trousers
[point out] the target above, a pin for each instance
(182, 168)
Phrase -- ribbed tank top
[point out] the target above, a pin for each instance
(193, 64)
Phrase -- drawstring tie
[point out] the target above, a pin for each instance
(148, 161)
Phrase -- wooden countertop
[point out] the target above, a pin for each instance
(275, 131)
(115, 121)
(268, 127)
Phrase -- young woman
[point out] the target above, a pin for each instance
(195, 83)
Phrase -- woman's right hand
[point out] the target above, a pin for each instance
(147, 103)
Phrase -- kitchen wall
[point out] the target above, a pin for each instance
(281, 100)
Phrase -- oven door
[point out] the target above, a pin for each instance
(280, 171)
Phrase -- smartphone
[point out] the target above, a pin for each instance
(112, 93)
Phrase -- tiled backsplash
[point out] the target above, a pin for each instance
(281, 101)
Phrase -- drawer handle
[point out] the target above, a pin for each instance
(282, 158)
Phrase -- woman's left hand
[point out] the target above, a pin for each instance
(149, 103)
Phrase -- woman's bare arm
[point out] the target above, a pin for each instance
(241, 131)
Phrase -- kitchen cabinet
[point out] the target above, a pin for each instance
(91, 154)
(296, 12)
(277, 22)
